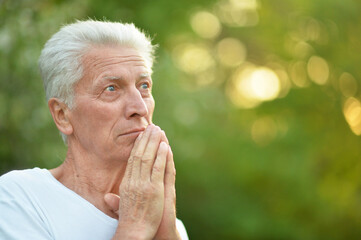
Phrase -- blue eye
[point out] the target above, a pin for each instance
(110, 88)
(144, 86)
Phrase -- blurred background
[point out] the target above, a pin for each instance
(260, 100)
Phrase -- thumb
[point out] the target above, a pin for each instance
(112, 200)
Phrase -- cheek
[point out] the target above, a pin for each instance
(89, 115)
(150, 105)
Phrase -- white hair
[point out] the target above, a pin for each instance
(60, 61)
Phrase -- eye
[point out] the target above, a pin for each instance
(144, 86)
(110, 88)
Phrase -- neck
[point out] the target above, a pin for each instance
(91, 177)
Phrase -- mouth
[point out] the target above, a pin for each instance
(135, 131)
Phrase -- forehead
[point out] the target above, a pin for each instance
(113, 60)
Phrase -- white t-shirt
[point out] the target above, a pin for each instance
(34, 205)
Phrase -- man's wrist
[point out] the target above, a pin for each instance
(174, 236)
(131, 233)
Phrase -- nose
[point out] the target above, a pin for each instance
(135, 105)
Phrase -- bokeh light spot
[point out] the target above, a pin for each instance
(238, 13)
(318, 70)
(244, 4)
(240, 100)
(298, 74)
(262, 84)
(253, 85)
(303, 49)
(231, 52)
(285, 84)
(352, 112)
(348, 85)
(192, 58)
(206, 78)
(205, 24)
(310, 29)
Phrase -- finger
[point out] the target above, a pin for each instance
(169, 178)
(129, 167)
(169, 188)
(164, 137)
(150, 153)
(158, 169)
(137, 153)
(170, 168)
(112, 200)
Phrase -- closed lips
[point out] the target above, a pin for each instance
(137, 130)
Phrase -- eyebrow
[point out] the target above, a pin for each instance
(105, 79)
(120, 78)
(113, 78)
(144, 75)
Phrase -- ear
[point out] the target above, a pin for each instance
(60, 113)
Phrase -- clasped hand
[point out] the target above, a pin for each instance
(146, 201)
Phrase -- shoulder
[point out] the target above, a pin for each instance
(18, 202)
(17, 180)
(17, 176)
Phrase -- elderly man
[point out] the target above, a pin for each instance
(117, 180)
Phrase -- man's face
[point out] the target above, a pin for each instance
(113, 102)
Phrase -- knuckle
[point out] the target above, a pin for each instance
(149, 190)
(157, 169)
(134, 158)
(172, 175)
(147, 159)
(163, 133)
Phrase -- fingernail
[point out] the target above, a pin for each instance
(107, 197)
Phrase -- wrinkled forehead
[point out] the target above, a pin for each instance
(102, 56)
(99, 62)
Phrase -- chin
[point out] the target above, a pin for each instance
(120, 148)
(123, 149)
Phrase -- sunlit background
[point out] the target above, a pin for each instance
(260, 100)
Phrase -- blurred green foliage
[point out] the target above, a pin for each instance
(287, 168)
